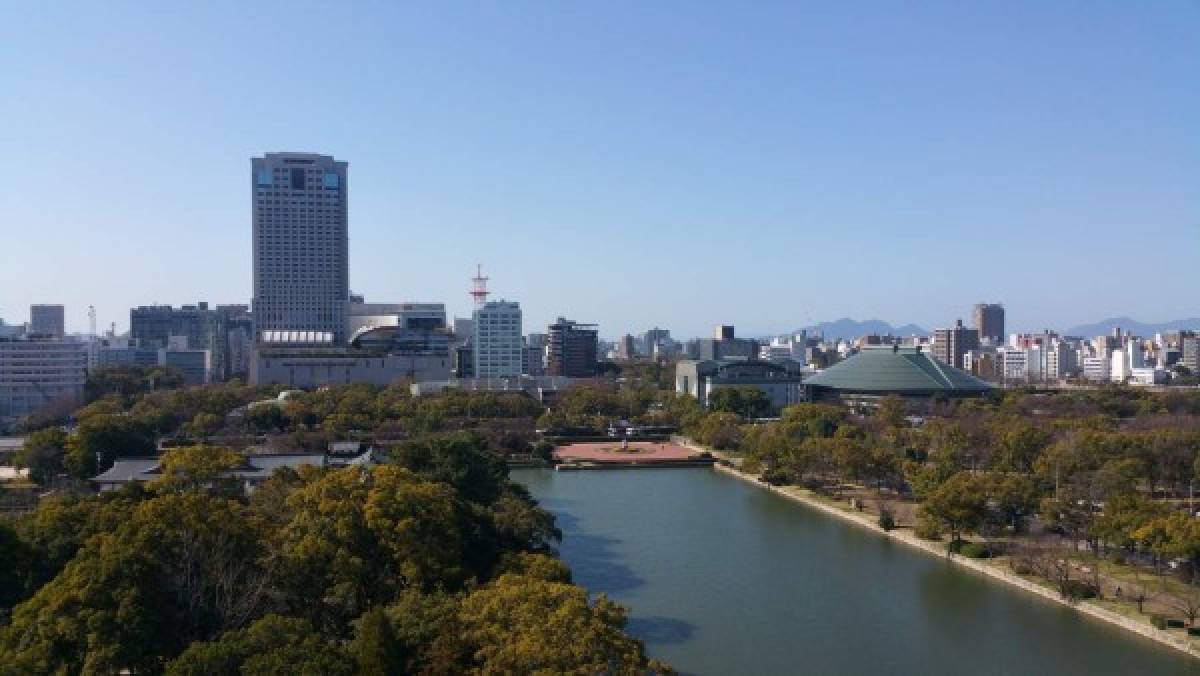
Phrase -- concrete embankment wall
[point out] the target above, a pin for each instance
(979, 566)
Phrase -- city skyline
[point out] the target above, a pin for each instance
(770, 185)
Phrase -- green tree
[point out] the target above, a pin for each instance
(99, 440)
(460, 460)
(376, 650)
(191, 468)
(745, 401)
(959, 505)
(1018, 443)
(16, 567)
(272, 645)
(892, 411)
(719, 430)
(265, 418)
(357, 537)
(183, 567)
(204, 425)
(526, 625)
(42, 453)
(821, 420)
(1123, 516)
(1012, 500)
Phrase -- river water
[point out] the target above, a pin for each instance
(726, 578)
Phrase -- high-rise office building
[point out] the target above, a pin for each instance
(989, 322)
(301, 270)
(47, 320)
(497, 344)
(533, 355)
(726, 345)
(1191, 353)
(949, 345)
(625, 348)
(224, 332)
(571, 349)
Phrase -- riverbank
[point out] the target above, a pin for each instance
(984, 566)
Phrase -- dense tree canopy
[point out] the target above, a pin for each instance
(435, 562)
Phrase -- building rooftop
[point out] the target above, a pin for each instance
(899, 370)
(255, 468)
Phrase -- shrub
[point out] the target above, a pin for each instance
(1077, 590)
(1021, 567)
(544, 450)
(887, 520)
(974, 550)
(927, 529)
(776, 477)
(1158, 621)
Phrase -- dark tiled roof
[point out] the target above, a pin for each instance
(255, 467)
(902, 371)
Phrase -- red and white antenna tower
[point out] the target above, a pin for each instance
(479, 286)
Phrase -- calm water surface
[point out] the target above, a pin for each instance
(726, 578)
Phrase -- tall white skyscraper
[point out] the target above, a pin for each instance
(301, 270)
(498, 340)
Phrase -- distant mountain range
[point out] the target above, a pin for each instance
(1105, 327)
(850, 329)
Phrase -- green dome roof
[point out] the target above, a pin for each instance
(904, 370)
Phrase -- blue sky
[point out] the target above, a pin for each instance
(632, 164)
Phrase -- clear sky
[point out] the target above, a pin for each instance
(633, 164)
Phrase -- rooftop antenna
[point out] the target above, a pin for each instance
(92, 320)
(479, 286)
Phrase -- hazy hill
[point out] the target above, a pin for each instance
(849, 328)
(1105, 327)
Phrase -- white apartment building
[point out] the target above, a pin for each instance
(301, 273)
(1096, 368)
(497, 340)
(1147, 375)
(1120, 370)
(1061, 360)
(1012, 364)
(34, 373)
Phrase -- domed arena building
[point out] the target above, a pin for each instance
(877, 372)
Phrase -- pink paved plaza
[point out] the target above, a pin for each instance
(610, 451)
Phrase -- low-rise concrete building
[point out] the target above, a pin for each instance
(316, 367)
(782, 380)
(35, 373)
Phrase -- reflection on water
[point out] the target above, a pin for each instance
(594, 557)
(726, 578)
(661, 629)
